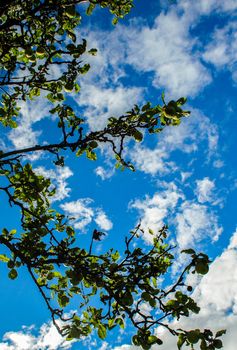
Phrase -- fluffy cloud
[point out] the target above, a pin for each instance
(204, 8)
(153, 210)
(101, 103)
(190, 134)
(222, 50)
(233, 241)
(194, 132)
(31, 112)
(58, 178)
(194, 223)
(48, 338)
(166, 50)
(102, 220)
(204, 190)
(151, 161)
(105, 173)
(83, 213)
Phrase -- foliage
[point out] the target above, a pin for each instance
(34, 38)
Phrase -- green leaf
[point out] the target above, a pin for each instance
(120, 322)
(72, 36)
(181, 340)
(115, 21)
(92, 52)
(91, 155)
(163, 97)
(146, 296)
(193, 336)
(70, 11)
(188, 251)
(68, 87)
(102, 331)
(127, 299)
(202, 268)
(111, 323)
(138, 136)
(4, 258)
(93, 144)
(152, 339)
(89, 9)
(75, 333)
(63, 300)
(203, 345)
(220, 333)
(12, 274)
(181, 101)
(152, 302)
(135, 340)
(40, 51)
(217, 343)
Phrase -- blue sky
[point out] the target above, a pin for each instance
(185, 177)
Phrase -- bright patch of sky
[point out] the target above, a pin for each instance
(185, 177)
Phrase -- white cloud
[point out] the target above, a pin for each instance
(105, 173)
(218, 289)
(222, 50)
(31, 112)
(218, 163)
(104, 346)
(48, 338)
(101, 103)
(102, 220)
(194, 132)
(83, 213)
(126, 347)
(196, 222)
(233, 241)
(204, 8)
(151, 161)
(59, 178)
(153, 210)
(204, 190)
(166, 50)
(185, 175)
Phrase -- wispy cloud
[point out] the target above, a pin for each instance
(194, 221)
(204, 8)
(166, 49)
(154, 211)
(84, 212)
(58, 177)
(221, 51)
(189, 138)
(101, 103)
(31, 112)
(204, 190)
